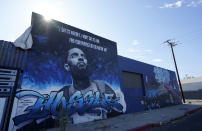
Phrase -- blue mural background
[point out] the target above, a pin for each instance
(46, 64)
(47, 57)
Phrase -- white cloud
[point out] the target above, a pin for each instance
(148, 51)
(157, 60)
(173, 5)
(194, 3)
(136, 54)
(166, 5)
(135, 42)
(131, 50)
(178, 3)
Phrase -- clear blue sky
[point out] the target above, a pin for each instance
(138, 26)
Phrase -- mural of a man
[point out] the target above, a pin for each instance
(78, 75)
(77, 65)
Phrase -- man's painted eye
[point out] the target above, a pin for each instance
(74, 55)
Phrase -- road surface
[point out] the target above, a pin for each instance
(191, 122)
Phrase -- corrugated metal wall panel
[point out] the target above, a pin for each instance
(11, 56)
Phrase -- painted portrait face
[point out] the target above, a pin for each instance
(77, 58)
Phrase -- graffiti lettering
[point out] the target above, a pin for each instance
(51, 105)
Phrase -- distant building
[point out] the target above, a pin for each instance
(192, 88)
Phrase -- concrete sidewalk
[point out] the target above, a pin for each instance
(138, 121)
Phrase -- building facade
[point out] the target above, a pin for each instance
(72, 72)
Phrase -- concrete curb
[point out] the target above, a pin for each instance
(151, 125)
(144, 127)
(192, 111)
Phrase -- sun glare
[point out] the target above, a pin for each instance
(49, 11)
(47, 18)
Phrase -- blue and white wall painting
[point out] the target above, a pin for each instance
(160, 87)
(67, 69)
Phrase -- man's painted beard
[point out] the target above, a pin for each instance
(79, 72)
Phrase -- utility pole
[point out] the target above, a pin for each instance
(172, 44)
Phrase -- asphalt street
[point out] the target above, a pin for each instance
(192, 122)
